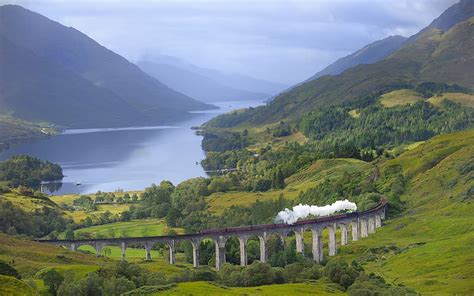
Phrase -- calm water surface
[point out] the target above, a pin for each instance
(127, 158)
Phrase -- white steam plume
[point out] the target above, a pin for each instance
(302, 211)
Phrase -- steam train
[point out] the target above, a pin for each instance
(334, 218)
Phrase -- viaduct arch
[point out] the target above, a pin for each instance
(361, 223)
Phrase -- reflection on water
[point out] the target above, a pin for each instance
(127, 158)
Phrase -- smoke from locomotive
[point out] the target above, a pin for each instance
(302, 211)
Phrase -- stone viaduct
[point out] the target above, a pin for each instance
(361, 225)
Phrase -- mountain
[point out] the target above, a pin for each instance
(369, 54)
(196, 85)
(34, 88)
(58, 74)
(381, 49)
(232, 80)
(435, 56)
(456, 13)
(378, 50)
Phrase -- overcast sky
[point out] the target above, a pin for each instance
(284, 41)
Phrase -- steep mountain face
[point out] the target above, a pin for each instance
(435, 56)
(34, 88)
(67, 49)
(459, 12)
(381, 49)
(196, 85)
(369, 54)
(234, 81)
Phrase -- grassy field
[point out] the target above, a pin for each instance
(12, 286)
(79, 215)
(135, 228)
(30, 257)
(435, 237)
(464, 99)
(16, 131)
(25, 202)
(407, 96)
(30, 204)
(207, 288)
(400, 97)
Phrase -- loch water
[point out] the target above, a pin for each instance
(131, 158)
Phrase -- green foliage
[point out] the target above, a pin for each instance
(69, 234)
(120, 278)
(85, 202)
(278, 180)
(28, 171)
(340, 272)
(430, 89)
(376, 285)
(379, 126)
(37, 223)
(156, 201)
(219, 184)
(53, 279)
(147, 290)
(259, 273)
(282, 130)
(224, 141)
(7, 269)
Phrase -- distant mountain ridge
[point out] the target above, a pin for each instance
(118, 92)
(369, 54)
(436, 56)
(235, 81)
(380, 49)
(196, 85)
(459, 12)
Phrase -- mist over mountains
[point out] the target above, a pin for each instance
(435, 56)
(57, 74)
(204, 84)
(381, 49)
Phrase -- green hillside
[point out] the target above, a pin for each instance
(435, 56)
(14, 131)
(135, 228)
(434, 237)
(13, 286)
(427, 246)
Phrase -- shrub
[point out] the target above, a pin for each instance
(52, 279)
(7, 269)
(340, 272)
(205, 274)
(259, 273)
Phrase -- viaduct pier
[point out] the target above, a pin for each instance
(360, 224)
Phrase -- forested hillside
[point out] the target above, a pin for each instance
(401, 130)
(430, 188)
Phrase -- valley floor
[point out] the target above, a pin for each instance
(428, 247)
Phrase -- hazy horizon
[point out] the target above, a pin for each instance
(279, 41)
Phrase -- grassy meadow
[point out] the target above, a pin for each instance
(208, 288)
(134, 228)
